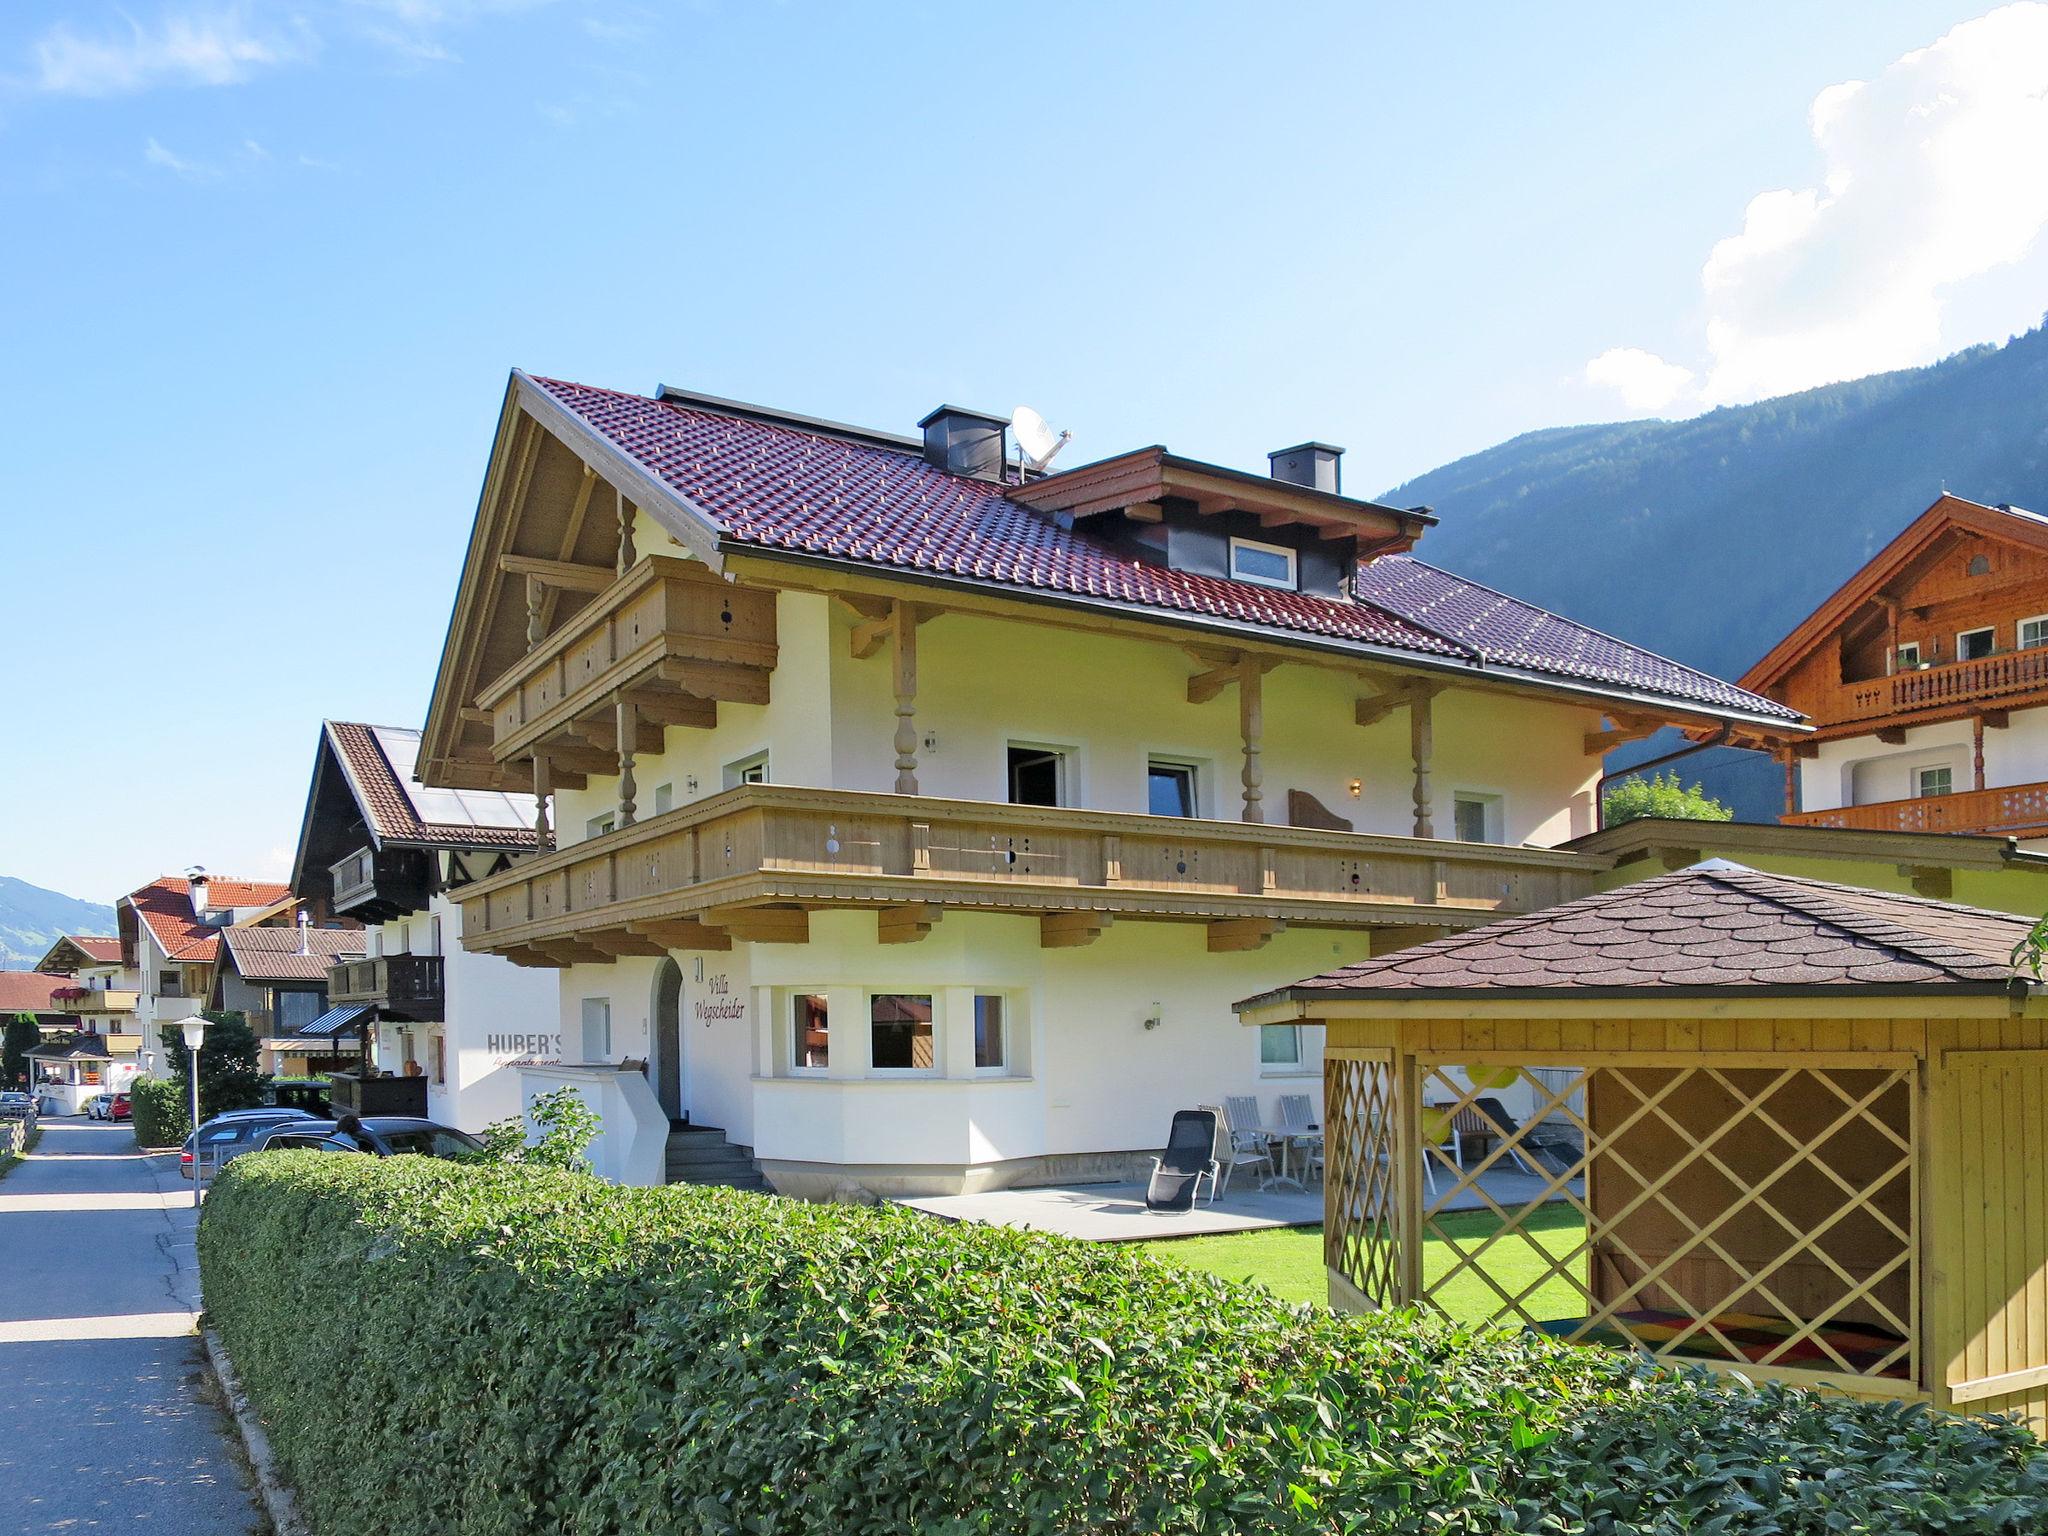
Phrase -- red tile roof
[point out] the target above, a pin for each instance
(166, 905)
(383, 800)
(28, 992)
(784, 487)
(272, 954)
(1715, 927)
(106, 951)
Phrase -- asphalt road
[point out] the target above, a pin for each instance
(102, 1425)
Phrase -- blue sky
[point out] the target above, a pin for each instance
(265, 268)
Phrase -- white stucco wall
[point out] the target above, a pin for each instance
(1860, 770)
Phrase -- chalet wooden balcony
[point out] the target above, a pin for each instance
(2016, 810)
(409, 986)
(93, 1000)
(750, 864)
(1994, 681)
(355, 879)
(667, 641)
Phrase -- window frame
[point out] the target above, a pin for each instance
(1001, 1068)
(1493, 811)
(1900, 661)
(600, 825)
(754, 768)
(1298, 1067)
(2019, 632)
(1154, 762)
(1063, 776)
(1990, 647)
(1920, 790)
(938, 1066)
(797, 1066)
(1292, 583)
(583, 1031)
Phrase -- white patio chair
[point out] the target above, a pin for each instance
(1297, 1114)
(1235, 1147)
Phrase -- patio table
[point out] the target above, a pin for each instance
(1287, 1136)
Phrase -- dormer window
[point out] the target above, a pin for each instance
(1264, 565)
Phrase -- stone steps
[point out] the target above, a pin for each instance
(702, 1155)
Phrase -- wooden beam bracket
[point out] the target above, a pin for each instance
(908, 923)
(1232, 934)
(1071, 930)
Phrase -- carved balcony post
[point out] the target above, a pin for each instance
(903, 677)
(1251, 720)
(543, 786)
(629, 735)
(1422, 746)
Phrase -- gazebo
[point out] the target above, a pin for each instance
(1788, 1128)
(68, 1072)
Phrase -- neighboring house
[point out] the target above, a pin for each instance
(33, 993)
(917, 815)
(170, 940)
(1783, 1127)
(96, 993)
(379, 847)
(1926, 677)
(277, 977)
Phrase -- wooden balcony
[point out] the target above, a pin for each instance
(752, 862)
(409, 986)
(355, 879)
(667, 639)
(1999, 681)
(2018, 810)
(93, 1000)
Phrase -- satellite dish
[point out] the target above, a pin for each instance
(1035, 440)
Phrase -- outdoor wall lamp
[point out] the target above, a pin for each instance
(1154, 1019)
(1357, 788)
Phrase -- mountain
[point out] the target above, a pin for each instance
(31, 918)
(1709, 539)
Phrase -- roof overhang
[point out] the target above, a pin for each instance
(1650, 836)
(1318, 1005)
(1150, 475)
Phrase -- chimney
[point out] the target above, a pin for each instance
(195, 878)
(966, 442)
(1316, 465)
(305, 922)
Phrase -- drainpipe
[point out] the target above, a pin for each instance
(1720, 739)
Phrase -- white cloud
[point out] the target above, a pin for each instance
(192, 46)
(154, 153)
(1933, 174)
(412, 29)
(1644, 380)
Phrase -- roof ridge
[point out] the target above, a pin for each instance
(1924, 947)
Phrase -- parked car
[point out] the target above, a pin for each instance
(376, 1135)
(16, 1105)
(99, 1107)
(227, 1136)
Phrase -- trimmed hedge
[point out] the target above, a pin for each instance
(161, 1117)
(499, 1351)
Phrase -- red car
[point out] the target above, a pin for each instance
(120, 1109)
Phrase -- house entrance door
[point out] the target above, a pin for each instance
(668, 1039)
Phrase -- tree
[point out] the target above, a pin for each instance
(21, 1037)
(230, 1073)
(1660, 795)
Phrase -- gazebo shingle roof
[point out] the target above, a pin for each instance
(1714, 927)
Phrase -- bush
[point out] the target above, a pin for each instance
(161, 1119)
(1660, 795)
(566, 1125)
(504, 1350)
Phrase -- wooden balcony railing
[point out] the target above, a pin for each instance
(2006, 812)
(355, 878)
(667, 638)
(750, 862)
(1988, 678)
(93, 1000)
(409, 985)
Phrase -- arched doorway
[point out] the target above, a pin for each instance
(668, 1039)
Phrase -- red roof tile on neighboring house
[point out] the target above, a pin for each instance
(166, 905)
(1714, 926)
(782, 487)
(28, 992)
(106, 951)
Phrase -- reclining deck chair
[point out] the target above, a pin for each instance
(1190, 1157)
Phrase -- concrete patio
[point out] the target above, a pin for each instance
(1115, 1213)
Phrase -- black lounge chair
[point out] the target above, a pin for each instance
(1190, 1157)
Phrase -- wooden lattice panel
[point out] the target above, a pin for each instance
(1361, 1231)
(1708, 1187)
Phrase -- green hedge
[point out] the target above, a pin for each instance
(505, 1350)
(161, 1119)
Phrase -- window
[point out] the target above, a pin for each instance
(597, 1029)
(664, 798)
(1974, 643)
(1280, 1045)
(900, 1032)
(1928, 782)
(376, 943)
(1267, 565)
(1038, 775)
(2034, 633)
(440, 1043)
(991, 1051)
(434, 935)
(295, 1010)
(1170, 789)
(748, 770)
(1476, 818)
(597, 826)
(170, 984)
(810, 1033)
(1908, 657)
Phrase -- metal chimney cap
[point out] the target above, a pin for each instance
(961, 410)
(1308, 447)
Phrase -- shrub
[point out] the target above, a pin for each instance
(504, 1350)
(1660, 795)
(161, 1118)
(230, 1074)
(567, 1126)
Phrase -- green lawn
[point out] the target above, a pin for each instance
(1289, 1261)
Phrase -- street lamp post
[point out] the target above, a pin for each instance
(194, 1030)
